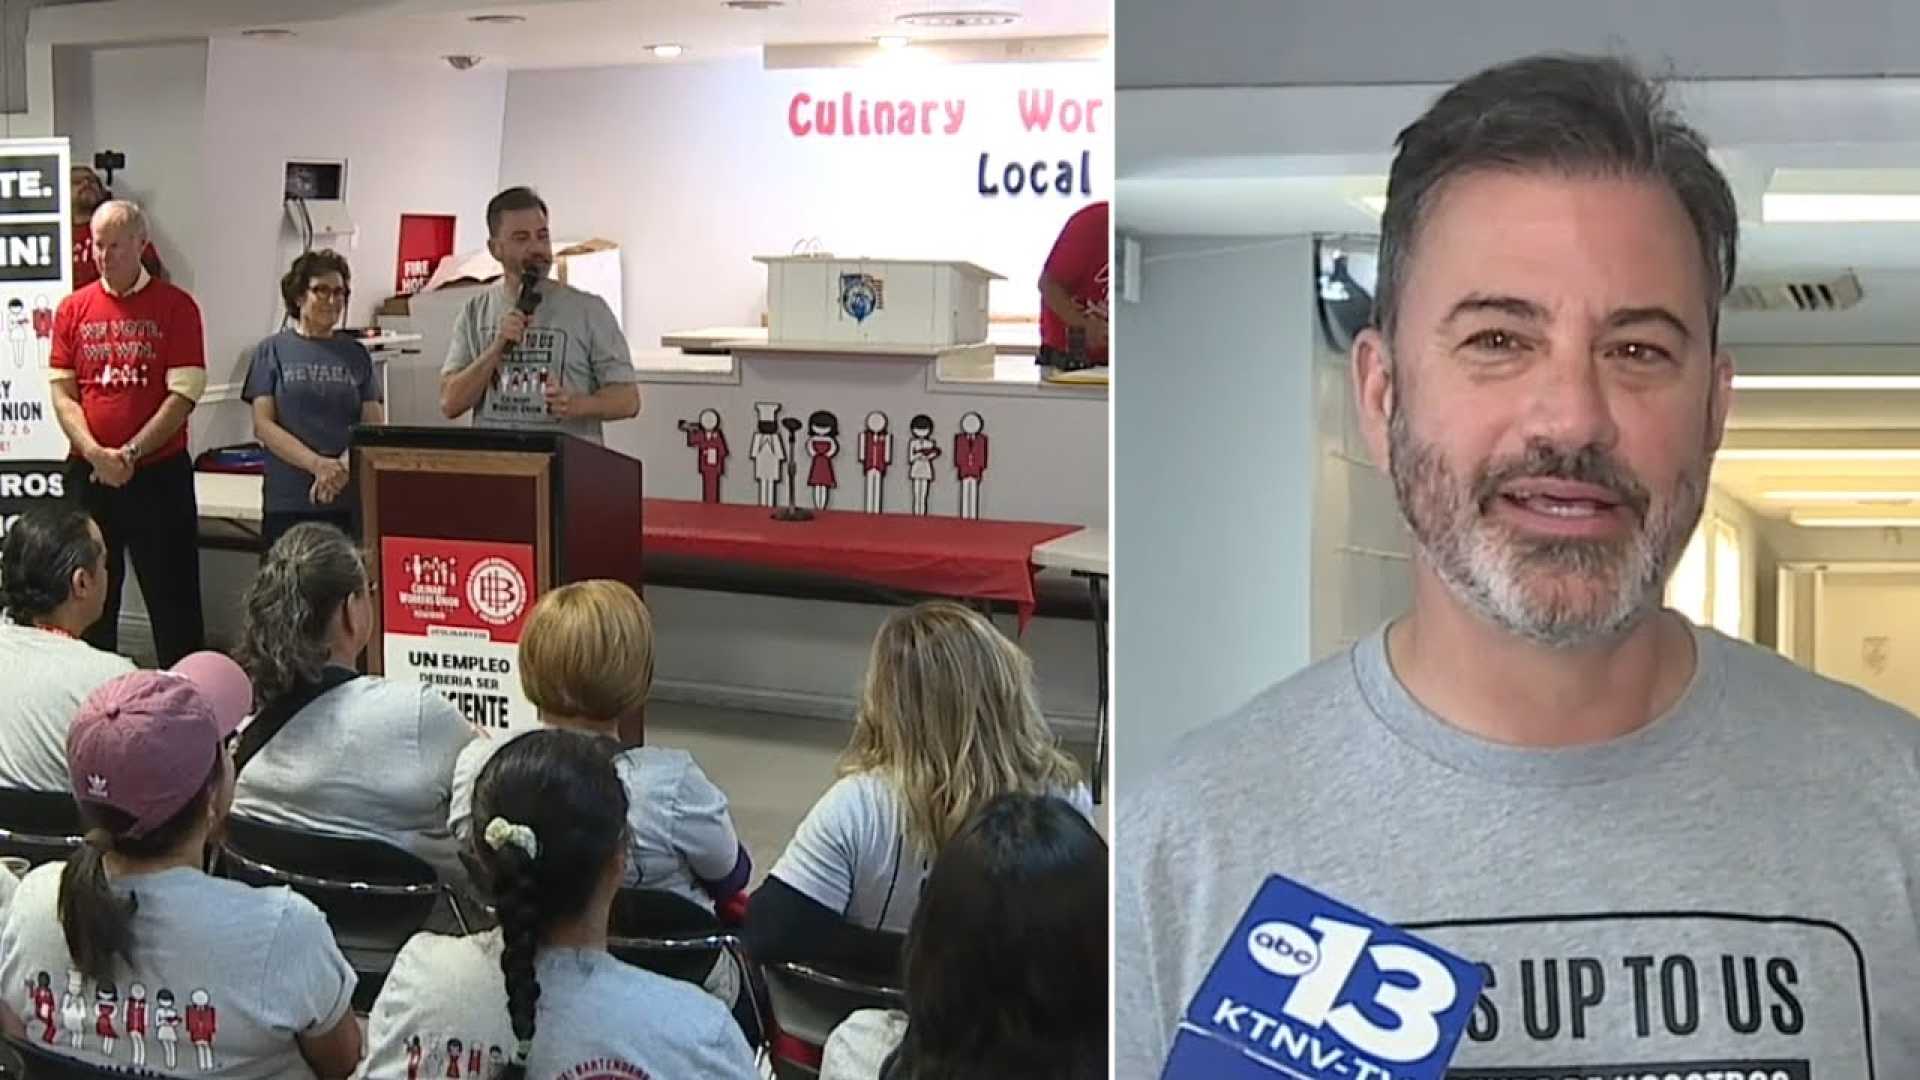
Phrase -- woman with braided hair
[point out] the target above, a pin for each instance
(550, 844)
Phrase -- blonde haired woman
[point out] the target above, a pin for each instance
(948, 719)
(586, 663)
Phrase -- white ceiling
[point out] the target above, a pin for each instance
(556, 33)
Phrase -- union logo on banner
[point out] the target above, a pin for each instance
(861, 295)
(469, 585)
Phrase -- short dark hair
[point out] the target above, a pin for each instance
(299, 277)
(1029, 873)
(1577, 115)
(514, 198)
(38, 558)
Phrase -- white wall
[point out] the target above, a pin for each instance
(1865, 614)
(416, 136)
(148, 102)
(693, 169)
(1214, 468)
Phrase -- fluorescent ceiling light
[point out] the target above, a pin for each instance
(1826, 382)
(1817, 522)
(665, 52)
(1372, 204)
(1752, 453)
(892, 41)
(1843, 496)
(1781, 207)
(959, 19)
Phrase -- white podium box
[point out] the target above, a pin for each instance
(929, 303)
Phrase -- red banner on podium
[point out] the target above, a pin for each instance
(451, 614)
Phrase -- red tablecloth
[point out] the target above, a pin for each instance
(943, 556)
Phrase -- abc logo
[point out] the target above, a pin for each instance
(1284, 949)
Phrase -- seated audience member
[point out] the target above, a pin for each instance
(586, 662)
(331, 750)
(53, 585)
(308, 385)
(164, 968)
(552, 853)
(948, 719)
(1029, 874)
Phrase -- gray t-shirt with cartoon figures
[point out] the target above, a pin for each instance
(224, 976)
(443, 1013)
(571, 338)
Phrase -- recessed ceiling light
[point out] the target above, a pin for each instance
(665, 52)
(497, 20)
(1807, 522)
(267, 33)
(1826, 382)
(1864, 498)
(893, 41)
(755, 5)
(964, 19)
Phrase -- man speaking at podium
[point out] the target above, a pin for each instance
(533, 353)
(1670, 853)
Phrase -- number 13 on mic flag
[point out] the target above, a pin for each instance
(1310, 989)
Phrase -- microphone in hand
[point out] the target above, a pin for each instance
(529, 290)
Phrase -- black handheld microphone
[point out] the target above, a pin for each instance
(529, 298)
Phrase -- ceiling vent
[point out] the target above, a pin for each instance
(1807, 294)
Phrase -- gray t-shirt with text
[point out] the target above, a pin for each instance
(1731, 891)
(571, 338)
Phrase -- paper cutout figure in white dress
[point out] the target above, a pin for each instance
(166, 1026)
(921, 452)
(876, 455)
(75, 1010)
(970, 461)
(19, 331)
(767, 451)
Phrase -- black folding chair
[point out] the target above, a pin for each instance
(808, 1003)
(39, 826)
(375, 895)
(670, 935)
(23, 1058)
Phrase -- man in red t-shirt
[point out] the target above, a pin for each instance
(1073, 287)
(88, 193)
(128, 363)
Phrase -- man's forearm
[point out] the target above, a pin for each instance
(164, 424)
(462, 390)
(73, 421)
(1061, 303)
(617, 401)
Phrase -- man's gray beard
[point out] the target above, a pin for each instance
(1487, 568)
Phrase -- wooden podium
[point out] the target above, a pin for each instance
(467, 527)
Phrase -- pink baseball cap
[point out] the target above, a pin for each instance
(144, 743)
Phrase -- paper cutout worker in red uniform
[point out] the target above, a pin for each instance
(202, 1022)
(970, 461)
(876, 455)
(823, 442)
(706, 437)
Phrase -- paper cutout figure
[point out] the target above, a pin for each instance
(473, 1062)
(453, 1059)
(767, 453)
(74, 1010)
(970, 461)
(202, 1021)
(106, 1003)
(166, 1025)
(413, 1057)
(43, 327)
(19, 331)
(823, 442)
(876, 455)
(137, 1022)
(41, 999)
(921, 452)
(705, 436)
